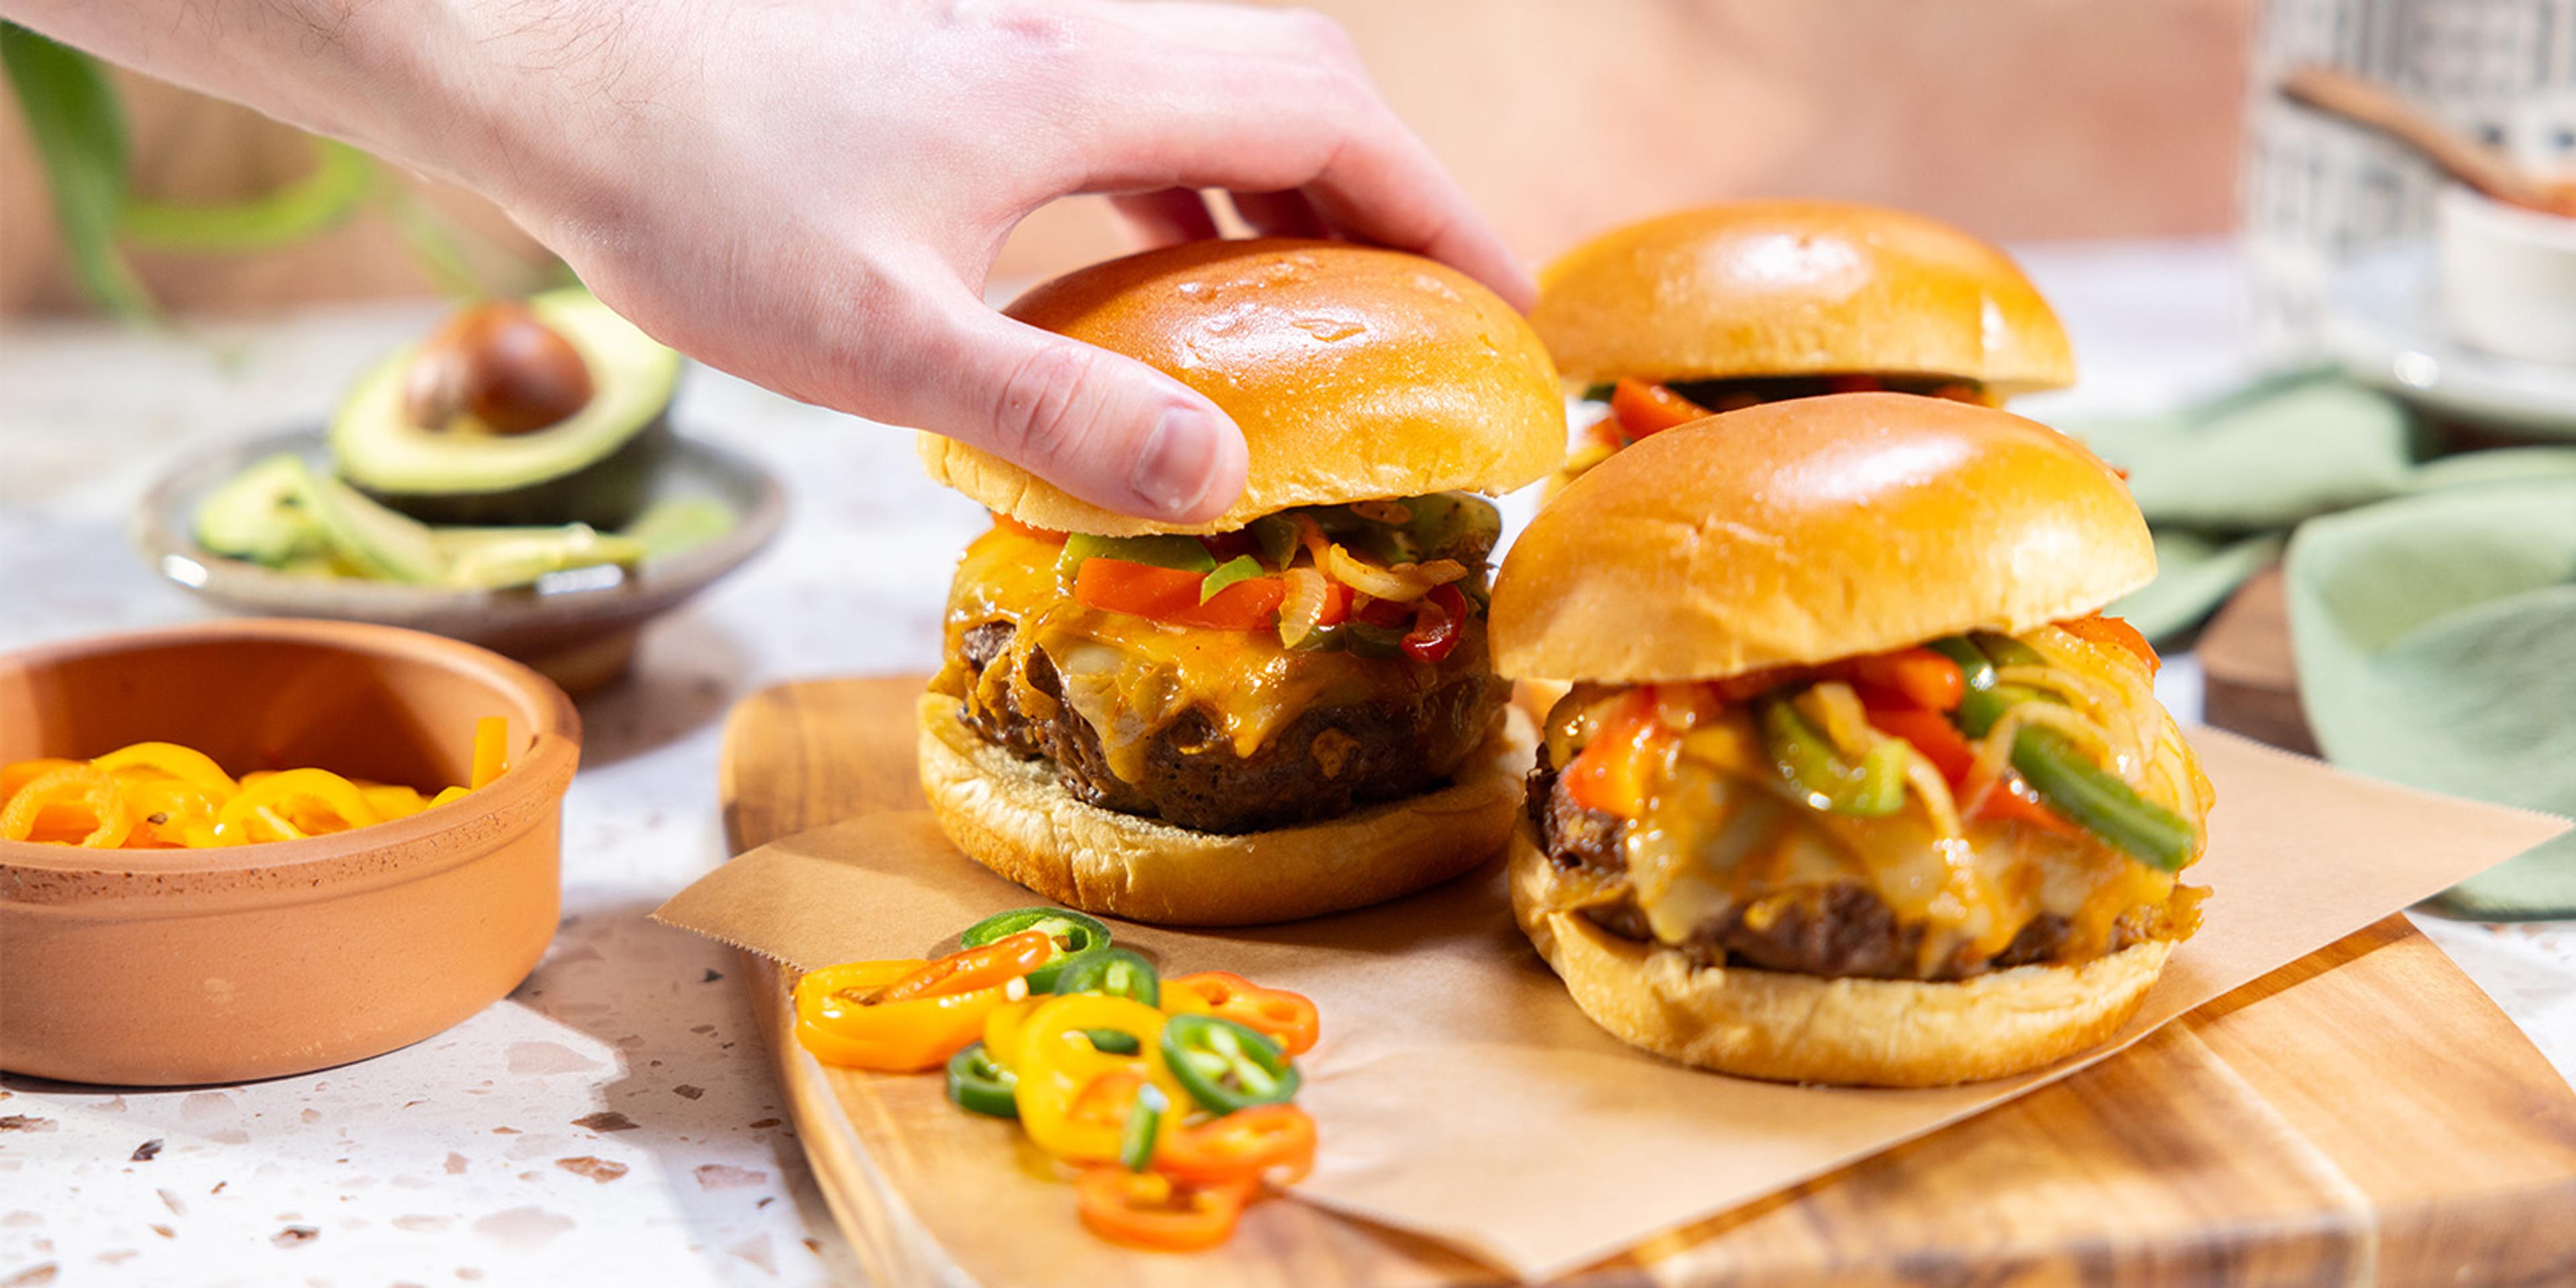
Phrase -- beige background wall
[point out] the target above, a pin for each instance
(2017, 118)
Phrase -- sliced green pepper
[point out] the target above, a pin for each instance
(1373, 641)
(1227, 1066)
(1114, 972)
(1979, 705)
(1162, 551)
(978, 1085)
(2007, 651)
(2098, 801)
(1144, 1125)
(1239, 568)
(1074, 934)
(1454, 525)
(1873, 789)
(1277, 536)
(1599, 393)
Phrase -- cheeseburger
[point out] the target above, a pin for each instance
(1723, 307)
(1288, 710)
(1855, 784)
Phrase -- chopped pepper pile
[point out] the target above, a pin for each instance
(1380, 578)
(1640, 409)
(1169, 1098)
(163, 796)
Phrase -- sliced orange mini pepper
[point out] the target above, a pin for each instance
(841, 1019)
(1246, 1145)
(1288, 1018)
(77, 804)
(1153, 1211)
(999, 962)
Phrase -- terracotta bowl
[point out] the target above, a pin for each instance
(171, 967)
(577, 627)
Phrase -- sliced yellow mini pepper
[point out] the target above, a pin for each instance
(187, 764)
(76, 804)
(1057, 1065)
(284, 805)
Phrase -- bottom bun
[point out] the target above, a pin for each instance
(1803, 1028)
(1012, 816)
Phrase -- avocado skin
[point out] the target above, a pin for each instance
(607, 494)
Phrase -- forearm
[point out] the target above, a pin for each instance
(444, 86)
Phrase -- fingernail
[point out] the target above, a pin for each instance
(1172, 472)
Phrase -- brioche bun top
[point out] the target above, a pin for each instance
(1798, 288)
(1355, 374)
(1809, 530)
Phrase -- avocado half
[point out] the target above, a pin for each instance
(595, 467)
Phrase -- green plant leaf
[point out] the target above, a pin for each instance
(341, 179)
(79, 131)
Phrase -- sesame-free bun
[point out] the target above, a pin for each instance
(1810, 530)
(1797, 288)
(1013, 817)
(1355, 374)
(1803, 1028)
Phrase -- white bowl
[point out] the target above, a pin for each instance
(2508, 277)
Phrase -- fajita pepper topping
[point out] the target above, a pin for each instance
(1990, 799)
(1171, 1096)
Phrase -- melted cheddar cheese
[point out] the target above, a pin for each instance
(1129, 677)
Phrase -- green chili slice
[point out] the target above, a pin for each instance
(1115, 972)
(977, 1085)
(2097, 801)
(1113, 1041)
(1226, 1066)
(1074, 934)
(1144, 1124)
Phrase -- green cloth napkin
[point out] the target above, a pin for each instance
(2436, 640)
(2432, 604)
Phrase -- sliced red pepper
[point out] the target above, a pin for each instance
(1246, 1145)
(1615, 771)
(1917, 676)
(1171, 595)
(2114, 630)
(1932, 734)
(1438, 620)
(1288, 1018)
(1386, 613)
(2012, 801)
(1645, 408)
(1152, 1210)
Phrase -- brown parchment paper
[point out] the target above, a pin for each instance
(1463, 1097)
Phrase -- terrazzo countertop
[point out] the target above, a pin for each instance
(614, 1120)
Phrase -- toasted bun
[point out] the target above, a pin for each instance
(1356, 374)
(1809, 530)
(1787, 288)
(1802, 1028)
(1013, 817)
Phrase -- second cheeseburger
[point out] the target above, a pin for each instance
(1857, 785)
(1288, 710)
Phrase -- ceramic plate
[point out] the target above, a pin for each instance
(577, 626)
(2384, 324)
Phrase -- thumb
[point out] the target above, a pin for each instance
(1102, 426)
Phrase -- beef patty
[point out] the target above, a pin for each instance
(1322, 764)
(1833, 931)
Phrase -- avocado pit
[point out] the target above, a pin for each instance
(498, 363)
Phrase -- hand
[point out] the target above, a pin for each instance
(809, 194)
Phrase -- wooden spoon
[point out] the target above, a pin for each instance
(2463, 158)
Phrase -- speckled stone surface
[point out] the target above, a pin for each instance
(614, 1120)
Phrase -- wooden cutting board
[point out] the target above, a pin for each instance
(2366, 1115)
